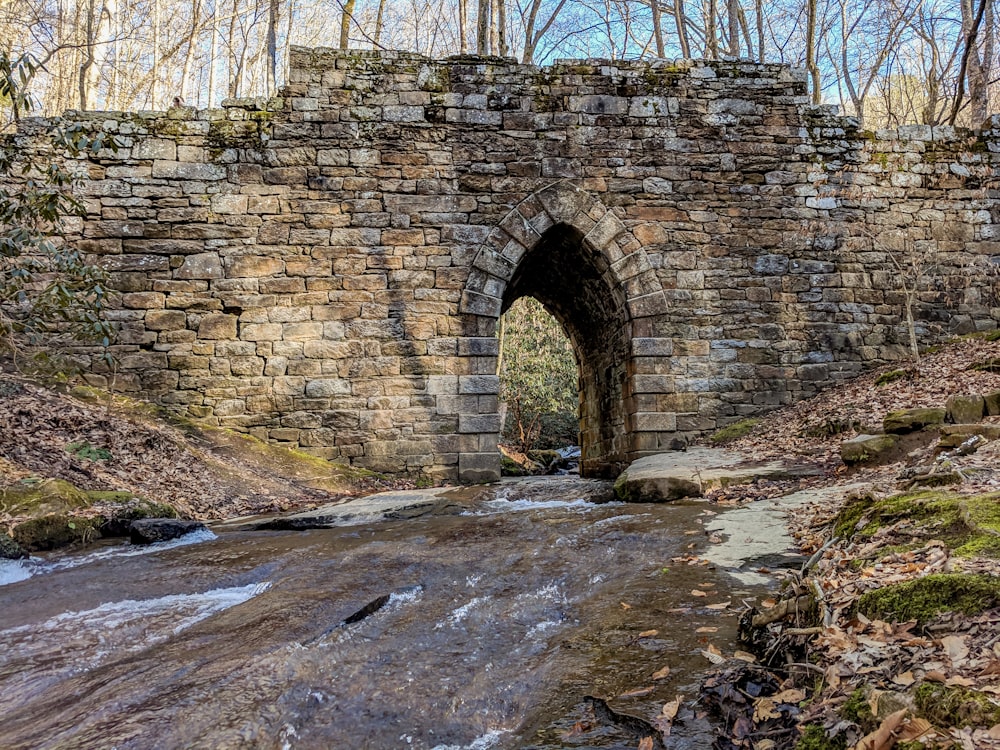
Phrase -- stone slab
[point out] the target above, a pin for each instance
(664, 477)
(759, 531)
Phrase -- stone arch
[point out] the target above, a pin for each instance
(562, 246)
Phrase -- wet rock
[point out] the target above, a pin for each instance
(910, 420)
(151, 530)
(963, 409)
(866, 448)
(9, 549)
(56, 530)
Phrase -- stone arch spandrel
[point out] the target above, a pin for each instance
(626, 269)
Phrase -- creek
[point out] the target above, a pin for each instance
(480, 629)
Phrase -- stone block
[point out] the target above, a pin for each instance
(478, 468)
(963, 409)
(217, 326)
(866, 448)
(471, 423)
(200, 266)
(910, 420)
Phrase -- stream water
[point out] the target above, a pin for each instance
(485, 630)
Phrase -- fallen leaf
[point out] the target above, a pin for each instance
(960, 681)
(648, 633)
(884, 737)
(905, 679)
(719, 606)
(646, 743)
(956, 648)
(744, 656)
(935, 676)
(707, 629)
(670, 708)
(714, 658)
(661, 674)
(625, 606)
(764, 709)
(914, 729)
(765, 745)
(696, 592)
(789, 696)
(994, 733)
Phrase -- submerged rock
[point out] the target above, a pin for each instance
(150, 530)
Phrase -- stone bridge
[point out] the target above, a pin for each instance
(327, 269)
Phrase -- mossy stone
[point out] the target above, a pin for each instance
(910, 420)
(969, 524)
(865, 448)
(965, 409)
(955, 706)
(56, 530)
(9, 549)
(931, 595)
(40, 498)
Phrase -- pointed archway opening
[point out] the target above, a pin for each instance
(573, 282)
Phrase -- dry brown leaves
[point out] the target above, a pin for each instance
(148, 457)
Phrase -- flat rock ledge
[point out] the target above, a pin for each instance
(152, 530)
(664, 477)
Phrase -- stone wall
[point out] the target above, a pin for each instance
(327, 269)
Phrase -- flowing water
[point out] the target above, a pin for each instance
(479, 630)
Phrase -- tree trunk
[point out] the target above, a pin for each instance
(811, 66)
(759, 10)
(483, 28)
(345, 22)
(501, 48)
(657, 28)
(463, 11)
(711, 32)
(155, 73)
(733, 13)
(192, 38)
(213, 49)
(271, 65)
(681, 22)
(971, 68)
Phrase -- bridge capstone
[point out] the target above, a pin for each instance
(327, 269)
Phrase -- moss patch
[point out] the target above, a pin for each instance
(954, 706)
(733, 432)
(56, 530)
(926, 597)
(33, 498)
(970, 525)
(814, 737)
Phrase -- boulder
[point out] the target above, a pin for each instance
(910, 420)
(965, 409)
(151, 530)
(866, 448)
(9, 549)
